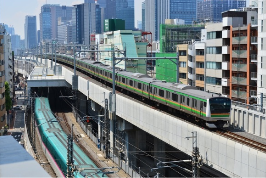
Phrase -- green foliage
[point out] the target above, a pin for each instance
(7, 96)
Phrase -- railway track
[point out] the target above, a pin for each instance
(227, 134)
(243, 140)
(67, 129)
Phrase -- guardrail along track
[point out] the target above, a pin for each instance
(243, 140)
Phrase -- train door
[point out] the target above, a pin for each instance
(201, 108)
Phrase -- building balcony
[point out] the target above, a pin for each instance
(253, 75)
(239, 67)
(239, 40)
(225, 82)
(200, 71)
(191, 64)
(200, 58)
(226, 34)
(239, 80)
(191, 76)
(199, 83)
(225, 50)
(254, 23)
(239, 53)
(254, 58)
(226, 65)
(239, 94)
(226, 91)
(254, 40)
(253, 93)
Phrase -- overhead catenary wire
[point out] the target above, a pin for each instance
(142, 151)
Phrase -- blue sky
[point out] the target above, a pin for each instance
(13, 12)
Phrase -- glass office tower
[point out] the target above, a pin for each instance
(184, 9)
(121, 9)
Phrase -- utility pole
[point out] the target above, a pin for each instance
(177, 65)
(196, 161)
(113, 102)
(261, 101)
(75, 85)
(70, 161)
(106, 126)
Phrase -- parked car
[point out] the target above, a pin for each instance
(17, 107)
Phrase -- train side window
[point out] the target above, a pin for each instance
(201, 104)
(161, 93)
(111, 75)
(174, 97)
(204, 104)
(139, 85)
(188, 101)
(100, 71)
(105, 73)
(123, 80)
(195, 103)
(167, 94)
(130, 82)
(183, 99)
(154, 90)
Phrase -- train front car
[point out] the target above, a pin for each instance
(218, 112)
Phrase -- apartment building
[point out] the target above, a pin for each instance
(199, 61)
(214, 58)
(243, 54)
(3, 121)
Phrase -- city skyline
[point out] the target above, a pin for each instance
(14, 16)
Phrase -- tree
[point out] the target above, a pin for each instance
(7, 96)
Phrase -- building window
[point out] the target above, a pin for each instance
(214, 35)
(2, 107)
(2, 118)
(261, 25)
(261, 43)
(183, 75)
(199, 52)
(183, 64)
(213, 81)
(214, 65)
(214, 50)
(199, 77)
(182, 53)
(199, 64)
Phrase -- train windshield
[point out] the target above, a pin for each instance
(220, 105)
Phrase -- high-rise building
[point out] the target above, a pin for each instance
(211, 10)
(30, 30)
(3, 121)
(15, 43)
(45, 23)
(143, 15)
(9, 30)
(156, 11)
(102, 3)
(88, 20)
(49, 17)
(183, 9)
(121, 9)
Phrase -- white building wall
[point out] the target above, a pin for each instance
(261, 75)
(8, 63)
